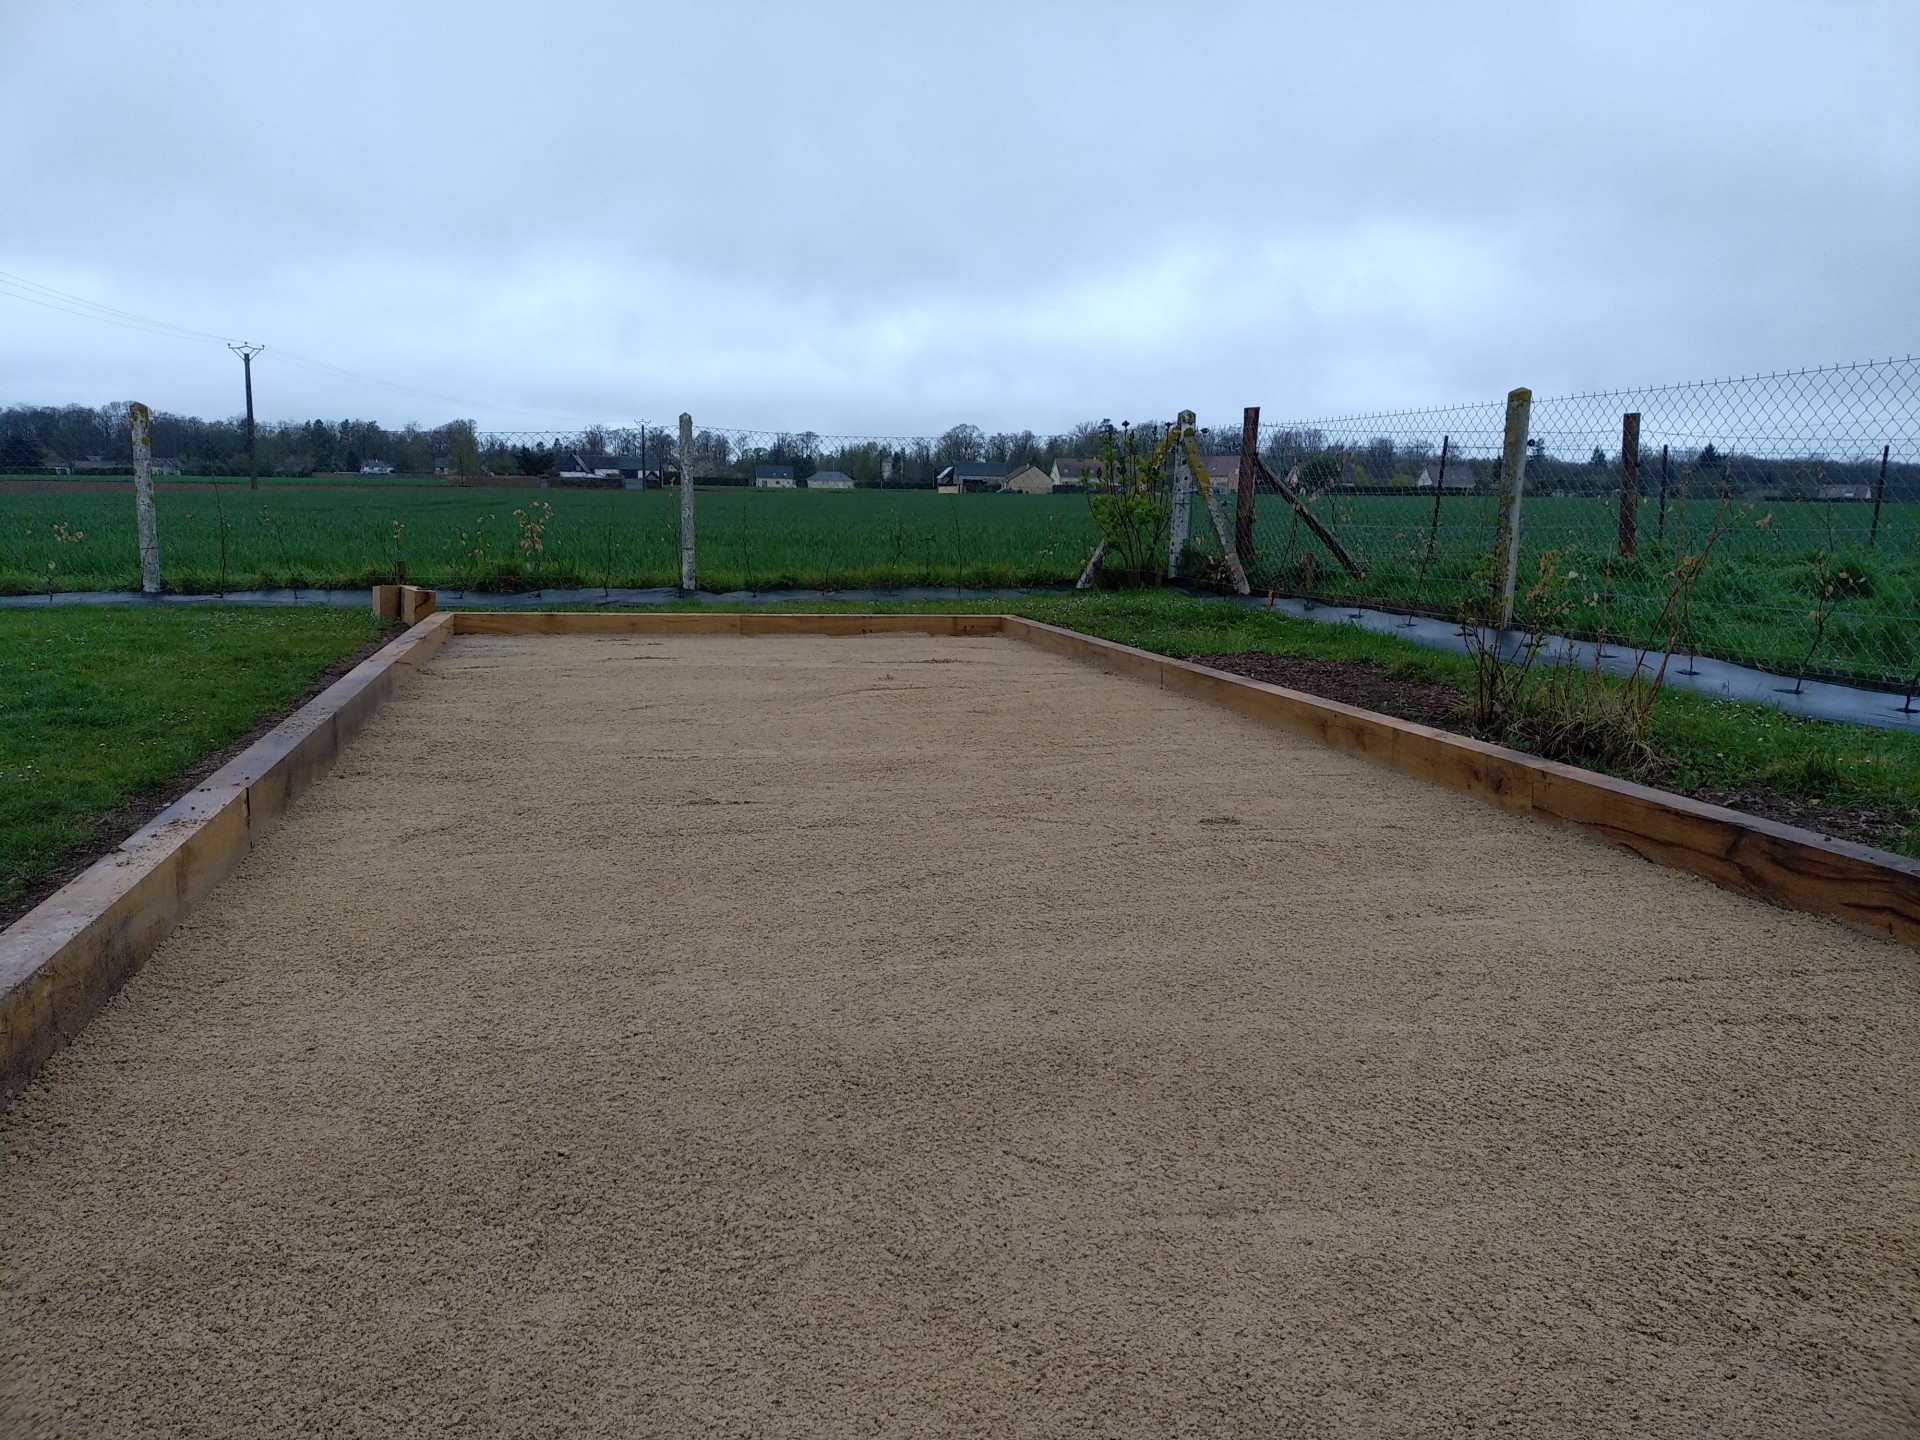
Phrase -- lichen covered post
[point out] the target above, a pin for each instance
(141, 421)
(1180, 480)
(1513, 483)
(686, 504)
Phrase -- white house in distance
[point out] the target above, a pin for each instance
(578, 471)
(1072, 473)
(829, 480)
(1459, 477)
(375, 467)
(773, 477)
(1223, 472)
(965, 475)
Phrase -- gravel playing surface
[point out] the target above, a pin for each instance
(908, 1036)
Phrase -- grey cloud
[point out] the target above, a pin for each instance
(862, 217)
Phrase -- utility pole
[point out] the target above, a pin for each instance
(246, 353)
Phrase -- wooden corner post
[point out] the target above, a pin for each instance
(1249, 469)
(686, 504)
(1629, 483)
(1513, 485)
(141, 421)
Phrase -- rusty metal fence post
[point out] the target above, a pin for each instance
(1879, 494)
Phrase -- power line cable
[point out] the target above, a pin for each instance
(18, 287)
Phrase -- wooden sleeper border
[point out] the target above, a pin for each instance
(60, 962)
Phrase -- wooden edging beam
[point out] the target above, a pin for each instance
(61, 961)
(722, 622)
(1869, 889)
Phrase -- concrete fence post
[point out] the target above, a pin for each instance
(1180, 481)
(141, 421)
(1513, 484)
(686, 505)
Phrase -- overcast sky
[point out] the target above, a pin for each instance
(869, 216)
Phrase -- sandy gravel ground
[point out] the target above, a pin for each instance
(912, 1037)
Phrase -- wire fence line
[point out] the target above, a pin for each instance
(1799, 491)
(1803, 488)
(1807, 482)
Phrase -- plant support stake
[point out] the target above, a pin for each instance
(1663, 493)
(1513, 485)
(141, 421)
(686, 504)
(1439, 489)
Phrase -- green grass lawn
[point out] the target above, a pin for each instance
(1759, 601)
(103, 709)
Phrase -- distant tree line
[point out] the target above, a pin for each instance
(38, 438)
(42, 438)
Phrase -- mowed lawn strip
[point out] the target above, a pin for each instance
(103, 710)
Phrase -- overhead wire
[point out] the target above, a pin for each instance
(32, 292)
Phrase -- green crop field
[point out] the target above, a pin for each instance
(1788, 586)
(535, 539)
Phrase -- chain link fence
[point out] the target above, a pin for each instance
(1796, 495)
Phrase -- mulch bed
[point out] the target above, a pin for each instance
(1862, 824)
(1351, 682)
(1371, 687)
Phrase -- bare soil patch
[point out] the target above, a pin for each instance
(1863, 824)
(1351, 682)
(778, 1036)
